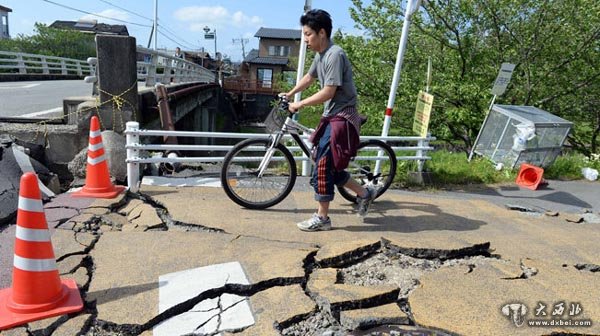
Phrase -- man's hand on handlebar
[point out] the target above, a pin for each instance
(292, 107)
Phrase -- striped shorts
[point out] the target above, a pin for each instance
(324, 177)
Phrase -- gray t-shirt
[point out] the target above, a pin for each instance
(332, 67)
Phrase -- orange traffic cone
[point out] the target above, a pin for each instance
(37, 291)
(97, 178)
(530, 176)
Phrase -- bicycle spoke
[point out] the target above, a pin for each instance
(240, 174)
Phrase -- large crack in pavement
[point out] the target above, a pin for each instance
(371, 265)
(588, 267)
(326, 316)
(168, 221)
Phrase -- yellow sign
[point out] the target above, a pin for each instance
(422, 113)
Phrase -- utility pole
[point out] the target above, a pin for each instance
(155, 26)
(243, 41)
(306, 167)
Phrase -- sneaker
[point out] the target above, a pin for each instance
(365, 203)
(315, 223)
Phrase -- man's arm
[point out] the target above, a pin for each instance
(301, 86)
(326, 93)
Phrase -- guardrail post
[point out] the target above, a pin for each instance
(117, 79)
(133, 168)
(21, 64)
(151, 75)
(63, 67)
(421, 143)
(419, 176)
(45, 70)
(79, 70)
(92, 78)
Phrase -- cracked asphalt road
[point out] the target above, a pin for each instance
(419, 260)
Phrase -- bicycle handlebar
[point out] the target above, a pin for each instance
(284, 105)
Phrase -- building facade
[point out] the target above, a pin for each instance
(273, 59)
(4, 32)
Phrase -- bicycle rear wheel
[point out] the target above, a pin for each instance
(362, 168)
(239, 174)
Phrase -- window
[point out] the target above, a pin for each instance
(283, 51)
(265, 76)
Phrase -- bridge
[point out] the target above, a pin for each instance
(41, 102)
(129, 83)
(33, 86)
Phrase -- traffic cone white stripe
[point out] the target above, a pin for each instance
(34, 265)
(95, 147)
(30, 204)
(95, 161)
(96, 133)
(32, 235)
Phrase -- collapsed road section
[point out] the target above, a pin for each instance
(364, 277)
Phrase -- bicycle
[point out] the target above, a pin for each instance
(260, 173)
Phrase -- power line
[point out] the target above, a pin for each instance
(98, 15)
(162, 26)
(172, 40)
(178, 41)
(127, 10)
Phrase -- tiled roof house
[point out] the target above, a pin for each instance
(272, 59)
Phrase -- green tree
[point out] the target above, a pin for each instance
(53, 42)
(555, 45)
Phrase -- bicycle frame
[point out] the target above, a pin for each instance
(291, 127)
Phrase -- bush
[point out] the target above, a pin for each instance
(568, 167)
(449, 168)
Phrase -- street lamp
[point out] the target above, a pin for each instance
(212, 35)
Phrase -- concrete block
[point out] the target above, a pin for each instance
(117, 78)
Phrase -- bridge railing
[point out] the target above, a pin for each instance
(241, 85)
(134, 146)
(23, 63)
(152, 67)
(159, 67)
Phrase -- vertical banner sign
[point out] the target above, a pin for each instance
(503, 79)
(422, 113)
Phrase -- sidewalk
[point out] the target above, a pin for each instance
(454, 259)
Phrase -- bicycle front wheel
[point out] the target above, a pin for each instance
(374, 165)
(239, 174)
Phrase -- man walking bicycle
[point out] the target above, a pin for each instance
(337, 135)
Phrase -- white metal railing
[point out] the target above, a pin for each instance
(23, 63)
(134, 146)
(160, 67)
(155, 67)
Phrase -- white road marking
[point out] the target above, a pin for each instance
(41, 113)
(177, 287)
(20, 86)
(164, 181)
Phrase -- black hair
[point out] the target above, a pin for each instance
(317, 19)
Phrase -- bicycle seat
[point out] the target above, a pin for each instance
(363, 119)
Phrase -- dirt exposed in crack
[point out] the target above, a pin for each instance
(401, 270)
(385, 264)
(588, 267)
(370, 265)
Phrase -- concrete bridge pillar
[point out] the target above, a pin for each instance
(117, 80)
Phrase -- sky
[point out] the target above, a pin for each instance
(181, 22)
